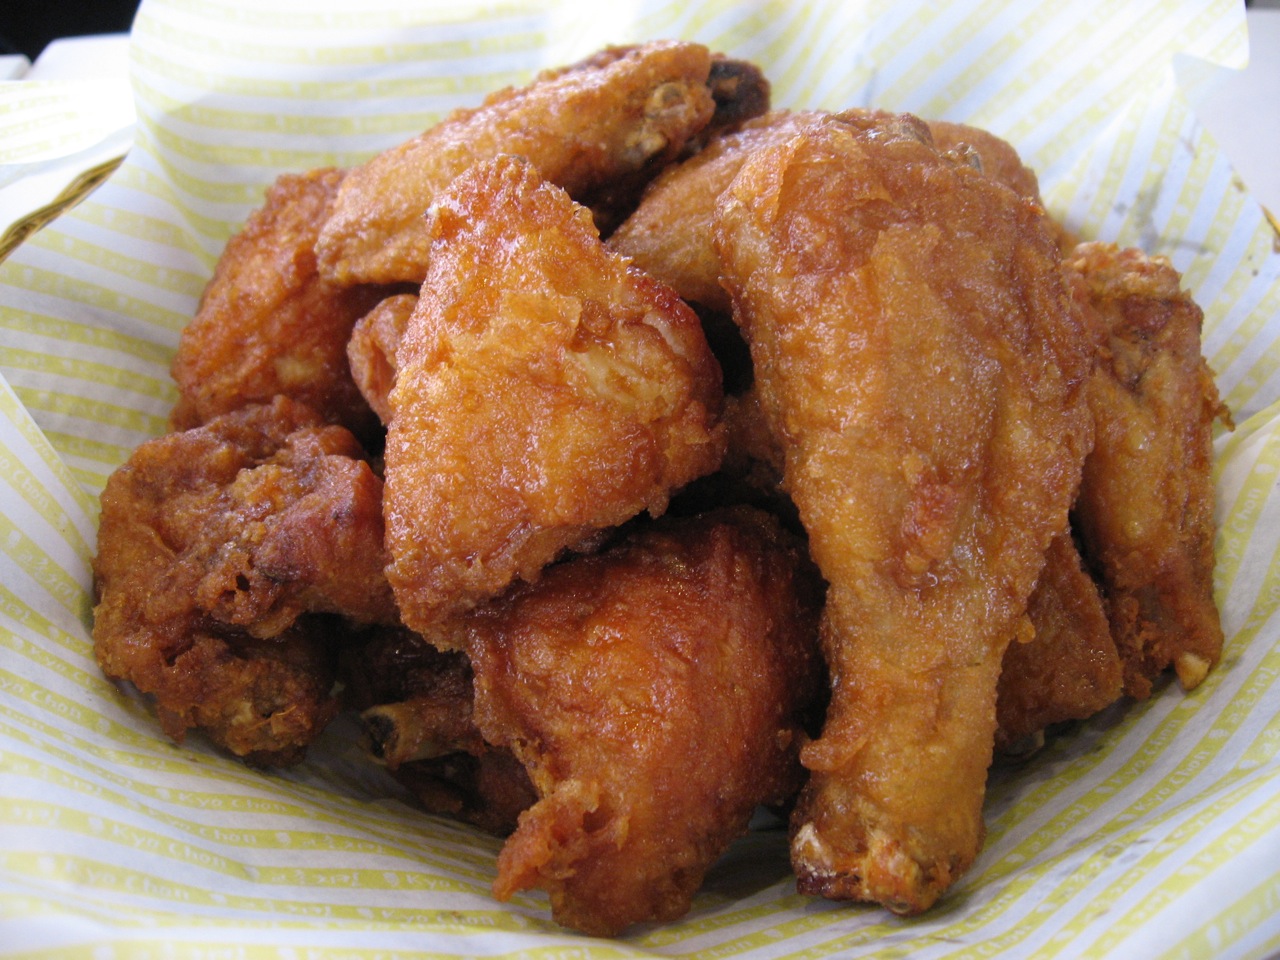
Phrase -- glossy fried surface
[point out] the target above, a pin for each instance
(371, 351)
(214, 545)
(546, 392)
(998, 159)
(918, 357)
(1069, 668)
(993, 156)
(669, 234)
(606, 124)
(656, 693)
(1146, 503)
(267, 324)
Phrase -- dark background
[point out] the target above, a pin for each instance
(27, 26)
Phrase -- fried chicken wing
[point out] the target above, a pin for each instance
(921, 363)
(1069, 668)
(606, 124)
(657, 694)
(215, 546)
(268, 325)
(546, 392)
(1146, 503)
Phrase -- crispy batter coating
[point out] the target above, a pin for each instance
(656, 693)
(669, 234)
(740, 92)
(995, 157)
(546, 392)
(1145, 511)
(213, 546)
(267, 323)
(372, 348)
(1069, 669)
(611, 121)
(921, 363)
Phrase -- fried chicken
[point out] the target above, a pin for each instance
(268, 325)
(414, 700)
(1069, 669)
(994, 157)
(669, 234)
(371, 351)
(997, 159)
(1145, 511)
(740, 91)
(546, 393)
(217, 548)
(920, 361)
(415, 703)
(603, 126)
(657, 694)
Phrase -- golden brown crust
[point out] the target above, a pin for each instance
(992, 156)
(268, 325)
(614, 119)
(213, 547)
(669, 234)
(912, 405)
(1146, 503)
(546, 392)
(1069, 669)
(371, 351)
(920, 362)
(656, 694)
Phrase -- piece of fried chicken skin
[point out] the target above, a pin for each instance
(657, 693)
(228, 557)
(602, 126)
(371, 351)
(922, 365)
(1069, 668)
(546, 392)
(1145, 511)
(268, 324)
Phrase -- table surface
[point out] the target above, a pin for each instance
(1240, 113)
